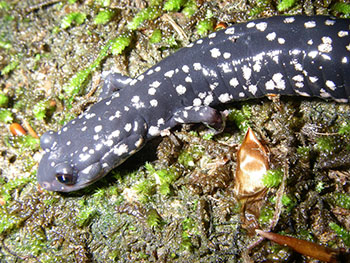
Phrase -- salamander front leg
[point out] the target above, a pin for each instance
(213, 118)
(112, 83)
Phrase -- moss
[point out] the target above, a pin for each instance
(153, 218)
(190, 8)
(272, 178)
(188, 229)
(40, 109)
(174, 5)
(304, 152)
(3, 100)
(288, 202)
(4, 5)
(28, 142)
(342, 8)
(266, 214)
(104, 3)
(339, 199)
(120, 43)
(75, 17)
(7, 188)
(6, 116)
(103, 17)
(171, 41)
(261, 5)
(319, 186)
(10, 67)
(325, 145)
(186, 159)
(240, 117)
(78, 81)
(156, 36)
(205, 26)
(341, 232)
(5, 44)
(344, 129)
(145, 189)
(285, 5)
(208, 136)
(148, 13)
(7, 222)
(165, 178)
(85, 215)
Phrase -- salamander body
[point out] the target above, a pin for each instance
(296, 56)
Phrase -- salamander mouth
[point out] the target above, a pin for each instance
(53, 179)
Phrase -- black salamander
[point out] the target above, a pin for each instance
(296, 56)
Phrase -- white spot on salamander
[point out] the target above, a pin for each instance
(230, 31)
(215, 52)
(180, 89)
(155, 84)
(185, 69)
(188, 79)
(197, 66)
(253, 89)
(234, 82)
(91, 115)
(250, 25)
(261, 26)
(212, 35)
(226, 55)
(329, 22)
(84, 156)
(197, 102)
(137, 103)
(326, 45)
(153, 131)
(289, 20)
(281, 40)
(271, 36)
(312, 54)
(208, 99)
(342, 33)
(247, 72)
(169, 73)
(225, 97)
(121, 149)
(98, 128)
(310, 24)
(331, 85)
(313, 79)
(277, 82)
(152, 91)
(154, 103)
(128, 127)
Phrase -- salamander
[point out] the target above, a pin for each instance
(292, 55)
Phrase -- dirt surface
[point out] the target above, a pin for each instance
(173, 201)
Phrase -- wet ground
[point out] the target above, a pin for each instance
(174, 200)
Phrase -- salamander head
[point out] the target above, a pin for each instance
(59, 171)
(88, 147)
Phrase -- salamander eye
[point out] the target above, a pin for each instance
(65, 174)
(67, 179)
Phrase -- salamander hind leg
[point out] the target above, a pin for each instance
(213, 118)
